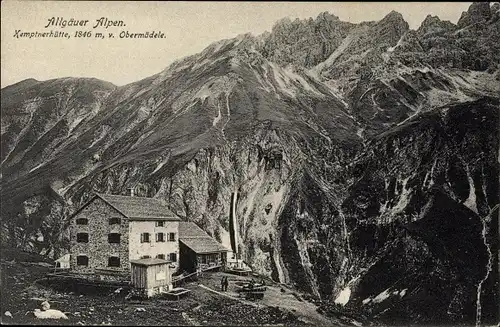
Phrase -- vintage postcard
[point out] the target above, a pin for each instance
(250, 163)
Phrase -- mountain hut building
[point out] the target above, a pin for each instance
(118, 238)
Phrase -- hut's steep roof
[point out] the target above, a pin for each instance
(197, 239)
(189, 229)
(203, 245)
(139, 208)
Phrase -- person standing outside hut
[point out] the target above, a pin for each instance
(226, 283)
(222, 283)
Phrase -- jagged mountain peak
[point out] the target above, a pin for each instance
(389, 29)
(394, 18)
(478, 12)
(430, 20)
(326, 15)
(433, 24)
(393, 14)
(287, 22)
(282, 23)
(305, 42)
(245, 36)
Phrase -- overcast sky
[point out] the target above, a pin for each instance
(188, 27)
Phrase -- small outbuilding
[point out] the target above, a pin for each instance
(151, 276)
(63, 262)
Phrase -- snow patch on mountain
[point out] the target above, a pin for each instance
(75, 123)
(316, 71)
(344, 296)
(391, 49)
(161, 164)
(470, 202)
(382, 296)
(387, 212)
(288, 81)
(36, 167)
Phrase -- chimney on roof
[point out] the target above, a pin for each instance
(132, 189)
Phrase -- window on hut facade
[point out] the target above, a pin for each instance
(113, 262)
(171, 237)
(145, 238)
(115, 221)
(82, 221)
(160, 223)
(172, 257)
(114, 238)
(145, 257)
(160, 256)
(160, 237)
(82, 260)
(82, 237)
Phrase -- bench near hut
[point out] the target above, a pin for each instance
(251, 290)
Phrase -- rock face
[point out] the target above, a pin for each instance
(434, 25)
(363, 158)
(478, 13)
(408, 214)
(305, 43)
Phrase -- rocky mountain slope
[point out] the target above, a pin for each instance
(364, 158)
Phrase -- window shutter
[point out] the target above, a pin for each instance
(113, 262)
(82, 237)
(142, 237)
(82, 260)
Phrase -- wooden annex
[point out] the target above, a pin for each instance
(198, 250)
(151, 276)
